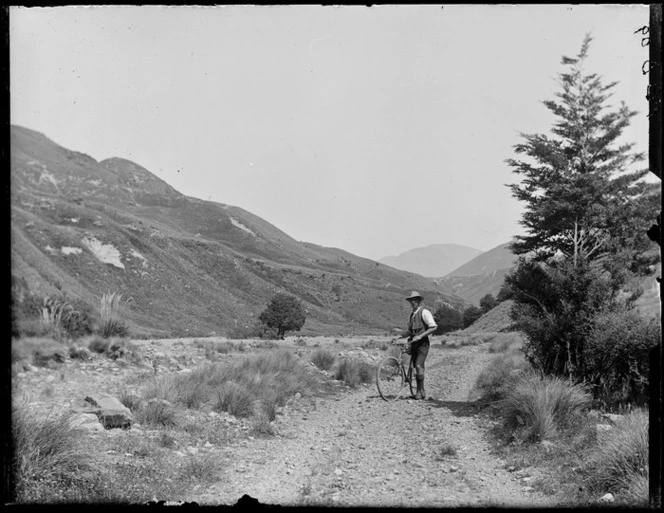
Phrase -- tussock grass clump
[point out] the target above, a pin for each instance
(157, 413)
(130, 400)
(112, 324)
(48, 456)
(619, 464)
(267, 380)
(323, 359)
(354, 372)
(541, 406)
(500, 376)
(188, 390)
(234, 399)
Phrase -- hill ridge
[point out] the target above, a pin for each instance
(193, 267)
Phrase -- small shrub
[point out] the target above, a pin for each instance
(99, 345)
(323, 359)
(302, 342)
(79, 353)
(445, 450)
(366, 372)
(540, 406)
(618, 356)
(620, 463)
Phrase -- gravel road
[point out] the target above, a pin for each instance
(354, 449)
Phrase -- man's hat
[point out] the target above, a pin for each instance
(415, 295)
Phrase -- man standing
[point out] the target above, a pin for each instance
(420, 325)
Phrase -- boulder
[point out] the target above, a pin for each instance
(87, 421)
(110, 411)
(607, 498)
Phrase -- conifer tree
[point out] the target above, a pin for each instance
(581, 194)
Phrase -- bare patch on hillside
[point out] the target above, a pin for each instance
(105, 253)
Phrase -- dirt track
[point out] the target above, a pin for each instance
(354, 449)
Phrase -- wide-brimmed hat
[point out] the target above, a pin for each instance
(414, 295)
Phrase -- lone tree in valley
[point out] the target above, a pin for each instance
(284, 313)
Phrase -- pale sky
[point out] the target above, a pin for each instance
(375, 130)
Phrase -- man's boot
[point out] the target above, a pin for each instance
(420, 394)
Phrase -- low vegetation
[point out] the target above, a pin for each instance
(323, 359)
(354, 372)
(545, 422)
(538, 407)
(619, 464)
(249, 387)
(112, 323)
(500, 376)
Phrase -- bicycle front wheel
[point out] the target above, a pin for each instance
(390, 378)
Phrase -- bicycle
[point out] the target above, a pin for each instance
(391, 375)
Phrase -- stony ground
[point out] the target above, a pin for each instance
(347, 448)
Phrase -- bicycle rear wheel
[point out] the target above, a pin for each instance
(390, 378)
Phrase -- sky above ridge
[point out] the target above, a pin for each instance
(375, 130)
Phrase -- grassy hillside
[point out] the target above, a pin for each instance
(81, 228)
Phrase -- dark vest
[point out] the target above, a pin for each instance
(416, 323)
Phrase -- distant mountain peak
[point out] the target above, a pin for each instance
(433, 260)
